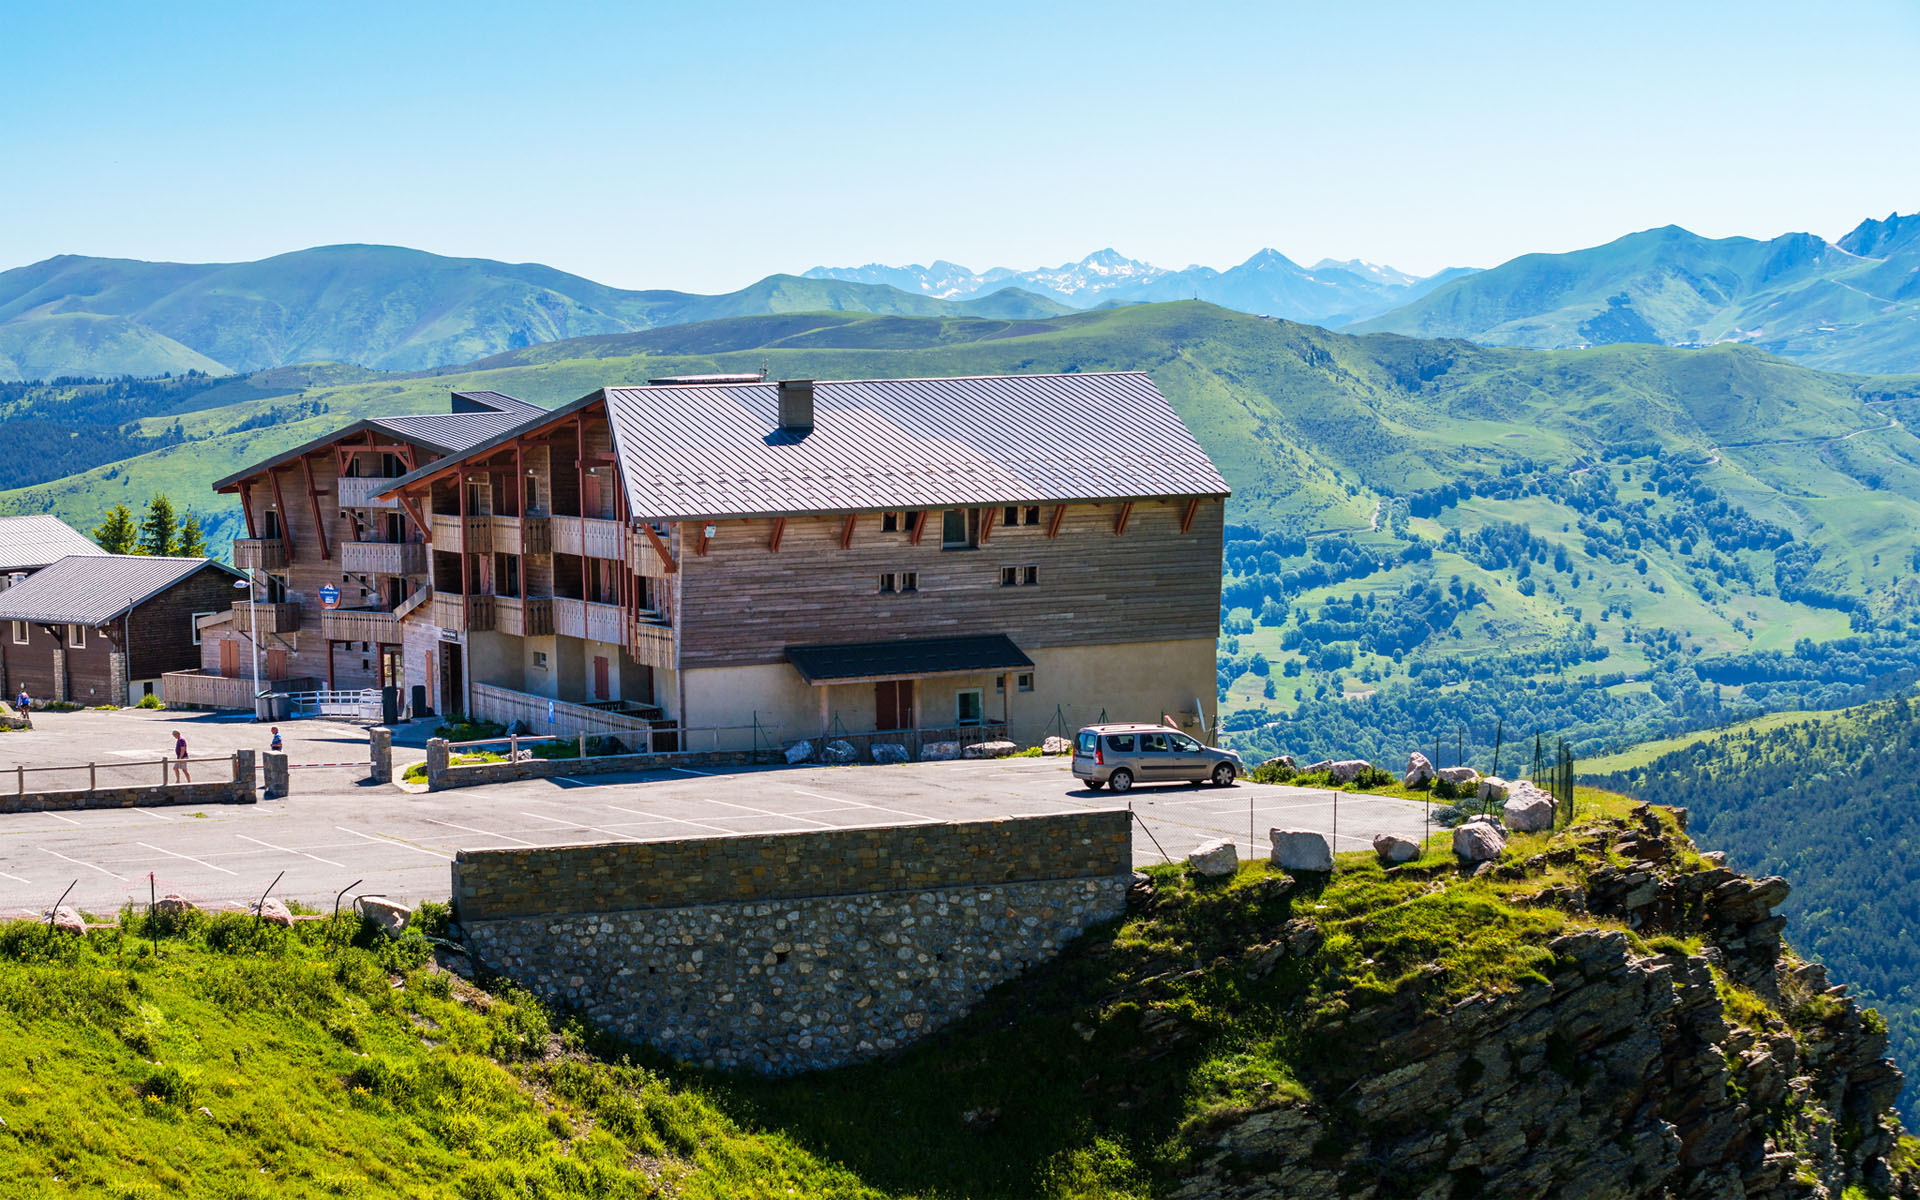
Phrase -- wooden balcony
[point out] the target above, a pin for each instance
(454, 611)
(260, 554)
(589, 536)
(522, 535)
(652, 644)
(585, 619)
(528, 617)
(360, 625)
(272, 618)
(383, 558)
(475, 538)
(643, 559)
(356, 491)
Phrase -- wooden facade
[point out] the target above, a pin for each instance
(117, 662)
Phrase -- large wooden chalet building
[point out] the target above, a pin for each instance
(720, 561)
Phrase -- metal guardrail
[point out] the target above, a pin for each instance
(364, 703)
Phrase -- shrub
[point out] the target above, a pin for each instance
(150, 701)
(432, 918)
(1273, 772)
(1445, 789)
(170, 1083)
(1448, 817)
(1374, 777)
(417, 773)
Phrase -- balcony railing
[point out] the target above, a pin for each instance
(383, 558)
(528, 617)
(356, 491)
(360, 625)
(454, 611)
(260, 554)
(643, 558)
(273, 618)
(476, 538)
(652, 644)
(590, 536)
(522, 535)
(586, 619)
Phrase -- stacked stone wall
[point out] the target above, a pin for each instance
(788, 952)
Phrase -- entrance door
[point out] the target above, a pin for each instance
(276, 664)
(602, 689)
(451, 699)
(893, 704)
(230, 657)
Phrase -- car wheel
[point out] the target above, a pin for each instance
(1223, 775)
(1095, 784)
(1120, 780)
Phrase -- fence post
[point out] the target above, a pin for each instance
(20, 776)
(436, 764)
(583, 747)
(93, 777)
(380, 754)
(163, 772)
(243, 782)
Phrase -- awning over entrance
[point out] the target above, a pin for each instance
(855, 662)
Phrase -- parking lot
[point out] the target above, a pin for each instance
(337, 831)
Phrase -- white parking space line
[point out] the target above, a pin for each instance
(288, 850)
(482, 832)
(387, 841)
(657, 819)
(78, 863)
(15, 878)
(156, 816)
(763, 812)
(691, 771)
(576, 825)
(188, 857)
(58, 817)
(918, 818)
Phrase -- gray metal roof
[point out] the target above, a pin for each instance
(94, 589)
(497, 401)
(37, 539)
(477, 417)
(908, 658)
(688, 451)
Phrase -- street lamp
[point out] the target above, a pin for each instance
(253, 611)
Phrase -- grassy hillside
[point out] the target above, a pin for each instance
(377, 306)
(1622, 542)
(1851, 306)
(1828, 800)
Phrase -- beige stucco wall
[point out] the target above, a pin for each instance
(1136, 681)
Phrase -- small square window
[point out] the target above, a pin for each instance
(193, 623)
(968, 707)
(19, 633)
(889, 522)
(910, 581)
(539, 660)
(77, 637)
(886, 584)
(999, 683)
(1024, 681)
(1009, 576)
(1011, 516)
(1033, 515)
(1029, 576)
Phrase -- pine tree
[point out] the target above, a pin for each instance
(159, 534)
(192, 542)
(116, 534)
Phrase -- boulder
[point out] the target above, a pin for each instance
(517, 726)
(939, 751)
(1214, 859)
(1056, 745)
(1348, 769)
(839, 751)
(1478, 842)
(989, 750)
(1394, 850)
(273, 911)
(68, 920)
(890, 752)
(173, 904)
(1458, 775)
(1714, 858)
(1528, 809)
(1494, 788)
(1301, 850)
(800, 752)
(1419, 770)
(1282, 760)
(390, 916)
(1324, 764)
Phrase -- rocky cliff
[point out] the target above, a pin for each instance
(1669, 1045)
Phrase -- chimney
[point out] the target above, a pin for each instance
(796, 405)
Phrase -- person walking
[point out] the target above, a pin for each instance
(275, 745)
(180, 772)
(26, 701)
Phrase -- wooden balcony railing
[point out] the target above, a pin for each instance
(360, 625)
(260, 554)
(522, 535)
(652, 644)
(475, 538)
(356, 491)
(383, 558)
(273, 618)
(531, 616)
(585, 619)
(589, 536)
(454, 611)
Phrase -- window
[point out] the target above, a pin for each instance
(1019, 576)
(1012, 516)
(960, 529)
(1033, 515)
(1024, 681)
(889, 522)
(539, 660)
(1089, 743)
(1009, 576)
(19, 633)
(270, 524)
(1120, 743)
(1029, 576)
(910, 581)
(506, 575)
(1182, 743)
(77, 637)
(194, 623)
(967, 706)
(886, 584)
(1153, 743)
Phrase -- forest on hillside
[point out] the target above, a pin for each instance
(1831, 805)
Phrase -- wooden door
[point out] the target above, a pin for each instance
(893, 704)
(601, 687)
(276, 664)
(230, 658)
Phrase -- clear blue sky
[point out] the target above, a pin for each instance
(703, 146)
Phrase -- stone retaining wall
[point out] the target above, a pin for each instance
(789, 952)
(442, 776)
(238, 790)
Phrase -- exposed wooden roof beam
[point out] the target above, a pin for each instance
(1186, 518)
(1126, 514)
(846, 531)
(1053, 521)
(779, 531)
(660, 547)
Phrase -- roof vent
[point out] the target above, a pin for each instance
(796, 405)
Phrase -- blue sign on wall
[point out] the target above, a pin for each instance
(549, 712)
(329, 595)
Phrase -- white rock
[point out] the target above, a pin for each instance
(1528, 809)
(939, 751)
(273, 911)
(1216, 858)
(1393, 849)
(800, 752)
(1477, 841)
(68, 920)
(1419, 770)
(839, 751)
(1056, 745)
(173, 904)
(1494, 788)
(1459, 775)
(1282, 760)
(1301, 850)
(989, 750)
(890, 752)
(385, 913)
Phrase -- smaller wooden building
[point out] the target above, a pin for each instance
(104, 628)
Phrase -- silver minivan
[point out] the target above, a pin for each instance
(1119, 756)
